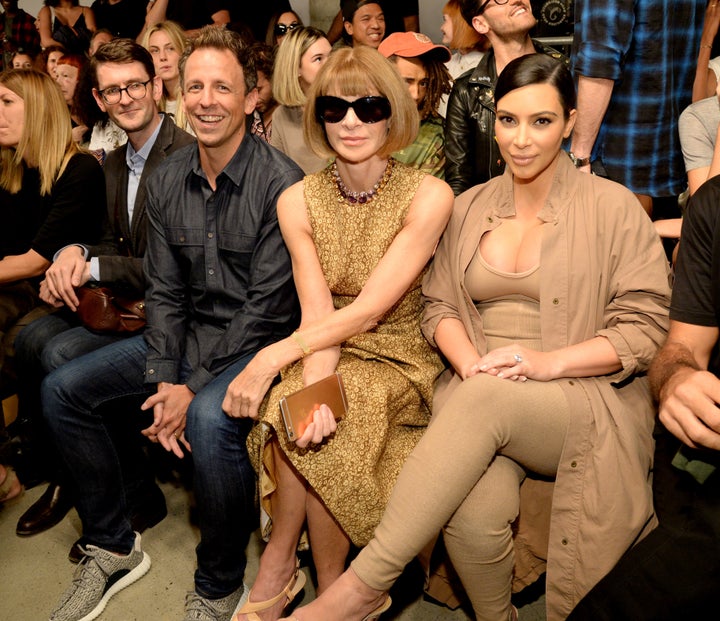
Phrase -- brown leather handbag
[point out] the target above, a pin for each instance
(101, 310)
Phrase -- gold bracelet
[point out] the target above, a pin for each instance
(301, 342)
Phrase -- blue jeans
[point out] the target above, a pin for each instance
(224, 478)
(46, 343)
(41, 347)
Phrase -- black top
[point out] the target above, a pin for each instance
(71, 213)
(256, 15)
(124, 19)
(220, 282)
(696, 290)
(191, 14)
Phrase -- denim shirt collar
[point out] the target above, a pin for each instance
(235, 168)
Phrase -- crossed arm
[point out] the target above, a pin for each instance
(323, 328)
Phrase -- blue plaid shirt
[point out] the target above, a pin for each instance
(649, 47)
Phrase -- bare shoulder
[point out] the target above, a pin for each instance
(434, 199)
(291, 204)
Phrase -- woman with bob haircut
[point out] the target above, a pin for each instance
(166, 42)
(360, 234)
(299, 58)
(51, 193)
(549, 296)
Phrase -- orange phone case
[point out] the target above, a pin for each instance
(297, 409)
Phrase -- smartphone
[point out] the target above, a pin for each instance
(297, 409)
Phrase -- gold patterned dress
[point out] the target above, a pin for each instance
(388, 372)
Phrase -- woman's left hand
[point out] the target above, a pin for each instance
(517, 363)
(323, 425)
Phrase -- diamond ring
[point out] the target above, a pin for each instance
(518, 358)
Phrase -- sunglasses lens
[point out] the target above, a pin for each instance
(372, 109)
(281, 29)
(331, 109)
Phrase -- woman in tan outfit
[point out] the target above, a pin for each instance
(549, 296)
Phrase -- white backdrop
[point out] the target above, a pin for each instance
(430, 11)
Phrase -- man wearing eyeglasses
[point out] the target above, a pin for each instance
(126, 88)
(471, 153)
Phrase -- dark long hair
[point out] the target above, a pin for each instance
(538, 69)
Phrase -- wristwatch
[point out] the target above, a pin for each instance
(579, 161)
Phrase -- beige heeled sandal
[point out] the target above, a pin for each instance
(373, 616)
(292, 588)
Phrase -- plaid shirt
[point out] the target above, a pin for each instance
(649, 47)
(23, 34)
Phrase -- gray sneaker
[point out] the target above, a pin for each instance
(98, 577)
(198, 608)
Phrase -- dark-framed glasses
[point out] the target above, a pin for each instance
(368, 109)
(484, 4)
(113, 94)
(282, 29)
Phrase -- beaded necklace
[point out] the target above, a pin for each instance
(345, 194)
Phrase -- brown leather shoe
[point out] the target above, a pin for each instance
(47, 511)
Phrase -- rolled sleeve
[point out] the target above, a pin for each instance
(603, 36)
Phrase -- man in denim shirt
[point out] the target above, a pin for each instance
(220, 288)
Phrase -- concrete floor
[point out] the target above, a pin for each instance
(34, 571)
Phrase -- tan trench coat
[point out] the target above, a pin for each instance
(603, 272)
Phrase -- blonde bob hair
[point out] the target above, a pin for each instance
(177, 37)
(465, 38)
(361, 71)
(286, 74)
(46, 140)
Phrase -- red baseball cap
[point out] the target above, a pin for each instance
(410, 45)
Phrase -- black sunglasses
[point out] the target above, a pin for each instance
(368, 109)
(281, 29)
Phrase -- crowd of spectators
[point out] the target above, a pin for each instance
(296, 231)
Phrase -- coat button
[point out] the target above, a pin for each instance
(556, 301)
(573, 464)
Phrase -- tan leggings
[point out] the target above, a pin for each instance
(465, 475)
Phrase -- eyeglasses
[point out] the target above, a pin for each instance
(368, 109)
(113, 94)
(281, 29)
(484, 4)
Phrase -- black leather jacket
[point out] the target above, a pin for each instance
(471, 152)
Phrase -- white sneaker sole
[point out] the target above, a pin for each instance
(134, 575)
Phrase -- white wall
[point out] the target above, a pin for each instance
(33, 6)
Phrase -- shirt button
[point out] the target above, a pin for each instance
(571, 383)
(211, 272)
(556, 301)
(573, 464)
(182, 238)
(151, 371)
(564, 541)
(210, 235)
